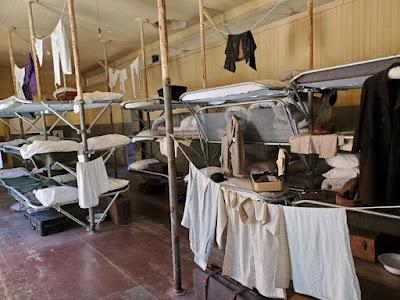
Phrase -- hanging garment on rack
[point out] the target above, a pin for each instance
(29, 87)
(39, 50)
(321, 260)
(232, 149)
(60, 51)
(256, 252)
(325, 145)
(240, 47)
(19, 81)
(92, 181)
(377, 137)
(135, 73)
(203, 202)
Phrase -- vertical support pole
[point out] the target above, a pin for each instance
(311, 109)
(11, 54)
(143, 52)
(162, 27)
(202, 46)
(105, 53)
(75, 49)
(310, 12)
(33, 49)
(44, 125)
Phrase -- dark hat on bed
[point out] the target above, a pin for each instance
(218, 177)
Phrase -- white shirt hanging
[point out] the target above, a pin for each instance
(19, 81)
(117, 75)
(39, 50)
(135, 73)
(60, 51)
(123, 76)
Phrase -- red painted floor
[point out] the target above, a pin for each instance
(119, 262)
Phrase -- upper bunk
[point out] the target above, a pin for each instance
(236, 93)
(343, 77)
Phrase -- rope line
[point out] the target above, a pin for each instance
(61, 16)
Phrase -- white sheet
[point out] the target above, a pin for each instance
(57, 195)
(321, 259)
(11, 102)
(14, 173)
(100, 96)
(224, 91)
(136, 104)
(40, 147)
(107, 141)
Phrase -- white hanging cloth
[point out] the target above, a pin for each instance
(39, 50)
(135, 72)
(60, 51)
(117, 75)
(19, 81)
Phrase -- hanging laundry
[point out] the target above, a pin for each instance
(39, 50)
(123, 76)
(321, 260)
(112, 77)
(29, 87)
(60, 51)
(19, 81)
(135, 72)
(232, 149)
(203, 203)
(92, 181)
(117, 75)
(240, 47)
(256, 252)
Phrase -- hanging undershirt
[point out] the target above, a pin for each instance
(135, 72)
(60, 52)
(39, 50)
(19, 81)
(256, 252)
(117, 75)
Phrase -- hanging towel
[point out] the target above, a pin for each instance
(19, 81)
(321, 259)
(203, 201)
(39, 50)
(112, 77)
(60, 51)
(29, 87)
(123, 76)
(135, 73)
(92, 181)
(240, 47)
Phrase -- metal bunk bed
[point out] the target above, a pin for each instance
(343, 77)
(31, 113)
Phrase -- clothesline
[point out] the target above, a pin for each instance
(61, 16)
(278, 2)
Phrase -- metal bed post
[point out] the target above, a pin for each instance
(75, 48)
(202, 45)
(44, 126)
(162, 27)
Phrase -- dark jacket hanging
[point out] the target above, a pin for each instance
(29, 87)
(240, 47)
(377, 136)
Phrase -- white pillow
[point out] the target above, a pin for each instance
(342, 173)
(344, 160)
(42, 138)
(142, 164)
(40, 147)
(107, 141)
(57, 195)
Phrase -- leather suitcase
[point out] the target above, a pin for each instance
(211, 285)
(120, 211)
